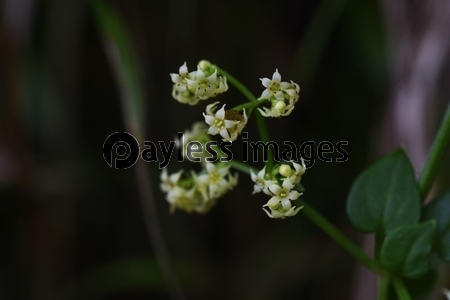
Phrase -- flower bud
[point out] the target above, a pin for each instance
(285, 170)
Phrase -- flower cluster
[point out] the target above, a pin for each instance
(282, 96)
(281, 189)
(228, 124)
(197, 192)
(191, 87)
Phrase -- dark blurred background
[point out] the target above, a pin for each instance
(373, 73)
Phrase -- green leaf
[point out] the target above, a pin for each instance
(406, 250)
(439, 210)
(385, 196)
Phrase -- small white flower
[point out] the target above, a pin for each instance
(282, 96)
(182, 198)
(241, 120)
(282, 195)
(190, 88)
(203, 87)
(168, 182)
(180, 88)
(179, 79)
(197, 133)
(280, 205)
(293, 91)
(281, 213)
(220, 124)
(261, 181)
(273, 87)
(278, 109)
(295, 175)
(217, 181)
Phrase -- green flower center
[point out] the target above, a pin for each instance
(215, 177)
(275, 87)
(219, 123)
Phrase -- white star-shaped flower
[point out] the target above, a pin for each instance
(215, 181)
(282, 195)
(273, 87)
(280, 213)
(261, 182)
(168, 182)
(217, 122)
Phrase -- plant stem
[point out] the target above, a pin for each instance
(237, 84)
(250, 105)
(124, 62)
(435, 156)
(341, 239)
(262, 128)
(243, 167)
(383, 289)
(264, 134)
(401, 290)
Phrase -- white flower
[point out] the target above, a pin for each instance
(273, 87)
(278, 109)
(180, 88)
(281, 213)
(179, 79)
(182, 198)
(295, 175)
(226, 123)
(241, 120)
(282, 195)
(282, 96)
(261, 182)
(168, 182)
(280, 205)
(197, 133)
(190, 88)
(217, 181)
(202, 86)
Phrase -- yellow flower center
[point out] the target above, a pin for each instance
(283, 194)
(215, 177)
(275, 87)
(219, 123)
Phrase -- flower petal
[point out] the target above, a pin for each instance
(276, 76)
(209, 119)
(265, 82)
(220, 114)
(286, 204)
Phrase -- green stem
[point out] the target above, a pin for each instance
(341, 239)
(262, 128)
(326, 226)
(383, 289)
(401, 290)
(250, 105)
(435, 156)
(264, 134)
(237, 84)
(243, 167)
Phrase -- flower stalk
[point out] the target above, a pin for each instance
(434, 159)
